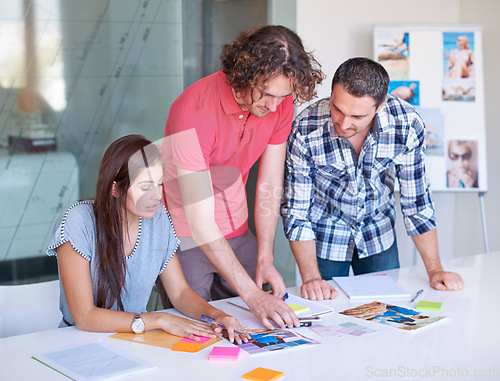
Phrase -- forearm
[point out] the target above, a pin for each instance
(105, 320)
(267, 200)
(193, 305)
(268, 197)
(305, 255)
(427, 247)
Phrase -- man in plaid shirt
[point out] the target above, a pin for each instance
(344, 155)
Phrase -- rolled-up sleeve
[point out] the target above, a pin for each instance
(298, 194)
(416, 196)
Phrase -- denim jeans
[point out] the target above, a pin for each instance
(386, 260)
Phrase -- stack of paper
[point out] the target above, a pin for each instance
(93, 361)
(370, 287)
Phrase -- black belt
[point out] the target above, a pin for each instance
(67, 322)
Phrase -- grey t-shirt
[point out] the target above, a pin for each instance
(156, 244)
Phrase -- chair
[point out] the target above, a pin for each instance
(29, 308)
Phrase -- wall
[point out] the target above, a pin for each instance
(468, 230)
(336, 30)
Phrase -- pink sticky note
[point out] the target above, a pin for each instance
(224, 353)
(201, 341)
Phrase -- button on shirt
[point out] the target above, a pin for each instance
(344, 201)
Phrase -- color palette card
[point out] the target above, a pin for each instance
(225, 353)
(263, 374)
(341, 330)
(429, 306)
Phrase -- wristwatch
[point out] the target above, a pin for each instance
(138, 324)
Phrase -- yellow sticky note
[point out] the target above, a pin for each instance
(298, 309)
(263, 374)
(429, 306)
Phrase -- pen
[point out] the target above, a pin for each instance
(416, 296)
(213, 321)
(285, 297)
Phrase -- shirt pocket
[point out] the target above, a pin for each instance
(333, 172)
(381, 177)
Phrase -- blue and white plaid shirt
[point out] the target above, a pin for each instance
(344, 201)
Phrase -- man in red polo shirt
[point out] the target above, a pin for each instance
(216, 130)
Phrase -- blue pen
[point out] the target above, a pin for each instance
(285, 297)
(416, 296)
(211, 320)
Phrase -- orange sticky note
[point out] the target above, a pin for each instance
(186, 346)
(263, 374)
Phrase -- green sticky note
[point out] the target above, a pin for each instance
(297, 308)
(430, 306)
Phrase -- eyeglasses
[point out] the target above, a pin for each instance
(456, 156)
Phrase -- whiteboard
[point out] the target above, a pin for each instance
(439, 69)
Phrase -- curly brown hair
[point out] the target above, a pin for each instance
(265, 51)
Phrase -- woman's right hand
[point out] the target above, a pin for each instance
(183, 327)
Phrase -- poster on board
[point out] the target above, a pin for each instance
(439, 70)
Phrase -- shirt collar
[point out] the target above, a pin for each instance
(226, 96)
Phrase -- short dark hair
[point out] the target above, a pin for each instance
(265, 51)
(361, 76)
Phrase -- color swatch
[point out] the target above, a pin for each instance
(337, 331)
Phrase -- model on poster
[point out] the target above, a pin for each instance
(458, 50)
(462, 164)
(458, 67)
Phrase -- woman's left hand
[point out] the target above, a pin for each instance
(234, 329)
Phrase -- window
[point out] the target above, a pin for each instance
(76, 75)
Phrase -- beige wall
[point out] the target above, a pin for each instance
(336, 30)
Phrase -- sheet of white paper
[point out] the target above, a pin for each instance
(93, 361)
(371, 287)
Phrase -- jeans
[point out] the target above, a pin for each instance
(386, 260)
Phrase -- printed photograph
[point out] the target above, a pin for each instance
(434, 130)
(394, 316)
(458, 50)
(408, 91)
(392, 50)
(462, 165)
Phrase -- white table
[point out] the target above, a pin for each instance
(466, 346)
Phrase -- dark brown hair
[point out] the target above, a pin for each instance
(361, 76)
(265, 51)
(122, 162)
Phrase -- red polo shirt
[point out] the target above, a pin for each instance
(206, 129)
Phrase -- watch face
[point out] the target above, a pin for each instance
(138, 326)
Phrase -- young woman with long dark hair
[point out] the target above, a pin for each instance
(111, 250)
